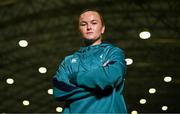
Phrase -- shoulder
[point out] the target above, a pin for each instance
(111, 48)
(68, 58)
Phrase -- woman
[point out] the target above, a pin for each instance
(92, 79)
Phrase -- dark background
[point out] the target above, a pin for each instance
(51, 29)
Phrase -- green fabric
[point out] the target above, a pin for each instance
(92, 80)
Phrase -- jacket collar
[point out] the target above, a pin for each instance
(87, 48)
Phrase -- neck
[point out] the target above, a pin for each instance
(97, 42)
(89, 42)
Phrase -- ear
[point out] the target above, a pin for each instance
(103, 29)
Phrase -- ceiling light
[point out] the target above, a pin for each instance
(42, 70)
(134, 112)
(50, 91)
(167, 79)
(59, 109)
(142, 101)
(9, 81)
(26, 102)
(164, 108)
(145, 35)
(129, 61)
(152, 90)
(23, 43)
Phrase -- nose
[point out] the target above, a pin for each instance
(89, 27)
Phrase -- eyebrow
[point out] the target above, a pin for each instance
(86, 21)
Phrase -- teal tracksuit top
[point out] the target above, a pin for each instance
(92, 80)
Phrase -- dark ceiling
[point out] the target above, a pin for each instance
(50, 27)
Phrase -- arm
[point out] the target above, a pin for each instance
(63, 90)
(108, 75)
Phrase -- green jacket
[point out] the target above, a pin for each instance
(92, 80)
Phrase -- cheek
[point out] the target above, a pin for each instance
(98, 30)
(82, 30)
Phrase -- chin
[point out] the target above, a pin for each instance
(89, 38)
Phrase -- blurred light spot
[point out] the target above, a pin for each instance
(167, 79)
(142, 101)
(26, 102)
(152, 90)
(129, 61)
(145, 35)
(9, 81)
(42, 70)
(134, 112)
(164, 108)
(59, 109)
(23, 43)
(50, 91)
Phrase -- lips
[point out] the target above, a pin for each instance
(89, 32)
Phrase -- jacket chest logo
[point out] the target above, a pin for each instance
(101, 56)
(74, 60)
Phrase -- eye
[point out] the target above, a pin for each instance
(94, 22)
(82, 24)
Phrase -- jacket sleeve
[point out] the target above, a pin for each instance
(107, 75)
(63, 90)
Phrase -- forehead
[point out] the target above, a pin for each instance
(89, 15)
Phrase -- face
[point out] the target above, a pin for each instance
(90, 25)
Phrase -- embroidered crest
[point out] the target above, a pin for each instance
(101, 56)
(74, 60)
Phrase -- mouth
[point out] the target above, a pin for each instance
(89, 33)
